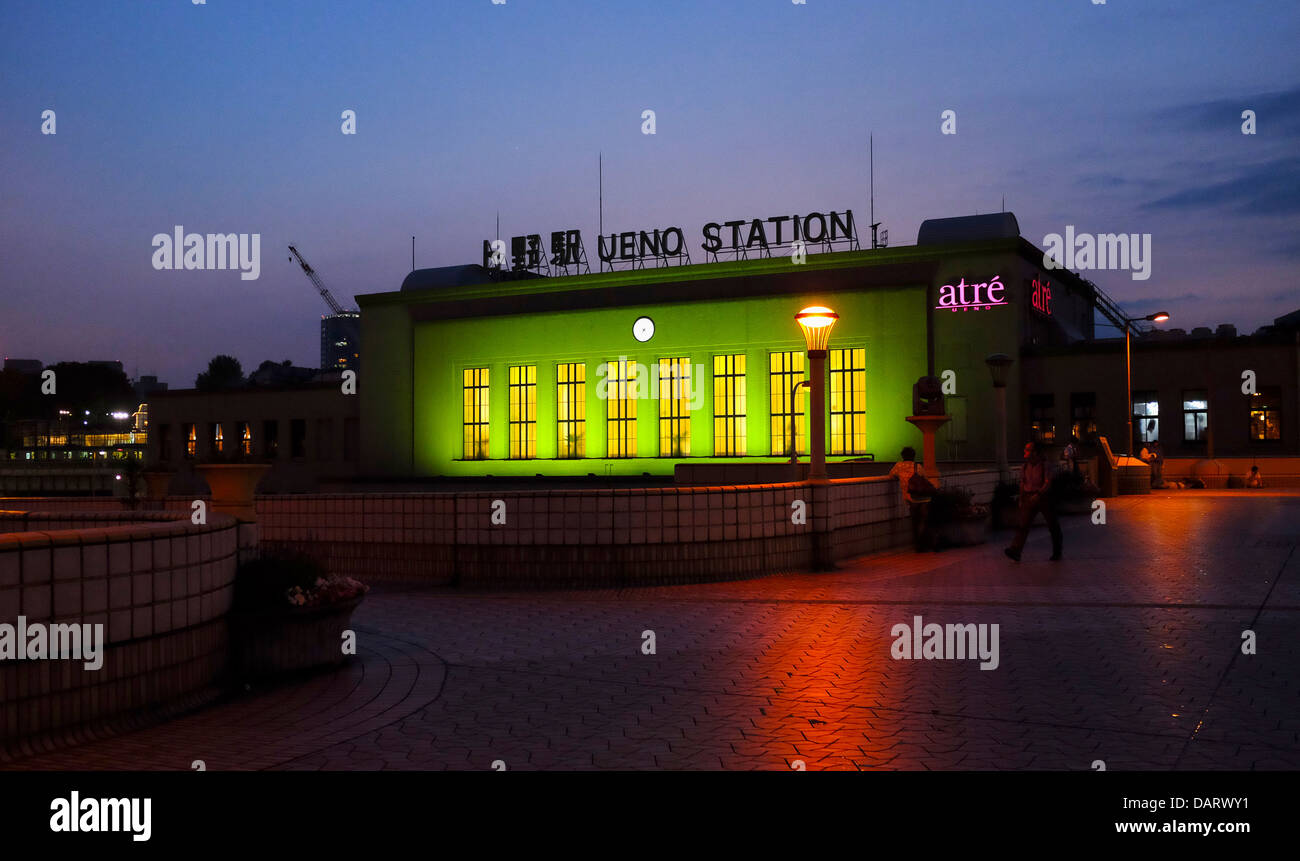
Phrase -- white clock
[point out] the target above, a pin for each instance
(643, 329)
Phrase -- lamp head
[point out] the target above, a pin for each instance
(816, 322)
(999, 367)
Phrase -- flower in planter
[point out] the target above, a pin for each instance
(278, 578)
(326, 592)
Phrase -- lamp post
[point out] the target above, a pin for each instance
(817, 322)
(794, 452)
(1157, 317)
(999, 366)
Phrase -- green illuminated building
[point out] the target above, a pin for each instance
(562, 376)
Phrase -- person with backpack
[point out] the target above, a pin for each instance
(916, 490)
(1035, 498)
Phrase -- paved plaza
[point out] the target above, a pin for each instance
(1128, 652)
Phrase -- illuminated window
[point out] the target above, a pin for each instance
(674, 407)
(571, 409)
(1083, 416)
(245, 439)
(1146, 417)
(1266, 414)
(620, 410)
(1042, 419)
(786, 370)
(848, 401)
(1196, 415)
(475, 414)
(523, 411)
(729, 405)
(218, 438)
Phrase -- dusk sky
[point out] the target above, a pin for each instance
(225, 117)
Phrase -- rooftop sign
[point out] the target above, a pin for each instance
(733, 240)
(971, 297)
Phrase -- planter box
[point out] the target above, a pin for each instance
(299, 638)
(233, 486)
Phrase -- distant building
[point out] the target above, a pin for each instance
(1197, 394)
(24, 366)
(340, 341)
(269, 374)
(307, 433)
(146, 386)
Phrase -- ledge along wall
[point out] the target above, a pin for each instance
(161, 587)
(598, 537)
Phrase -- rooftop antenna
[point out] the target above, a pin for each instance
(498, 224)
(871, 161)
(1004, 203)
(412, 253)
(600, 204)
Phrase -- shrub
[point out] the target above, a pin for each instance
(952, 503)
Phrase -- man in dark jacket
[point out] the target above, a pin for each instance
(1035, 497)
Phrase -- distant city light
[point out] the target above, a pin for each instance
(120, 415)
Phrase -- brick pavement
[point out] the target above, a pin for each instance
(1127, 652)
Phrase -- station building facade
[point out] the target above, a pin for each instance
(633, 372)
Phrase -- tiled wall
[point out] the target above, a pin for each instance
(598, 537)
(93, 503)
(161, 587)
(595, 537)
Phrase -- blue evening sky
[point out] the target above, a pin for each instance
(225, 117)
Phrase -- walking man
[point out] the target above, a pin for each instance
(1035, 497)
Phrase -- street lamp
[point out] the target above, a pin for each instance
(816, 323)
(1157, 317)
(999, 368)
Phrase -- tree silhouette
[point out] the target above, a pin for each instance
(224, 372)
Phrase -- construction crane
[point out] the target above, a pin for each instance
(340, 332)
(315, 279)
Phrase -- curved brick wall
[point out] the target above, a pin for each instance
(161, 587)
